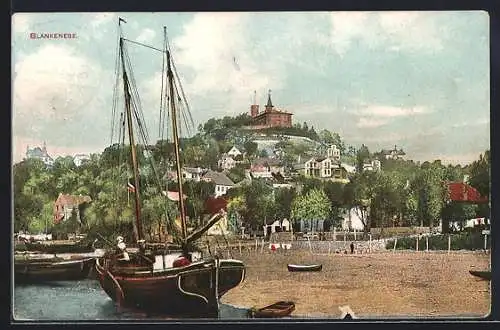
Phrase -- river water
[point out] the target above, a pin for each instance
(80, 301)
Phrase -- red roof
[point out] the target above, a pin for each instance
(462, 192)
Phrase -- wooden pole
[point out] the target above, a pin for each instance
(262, 247)
(416, 246)
(427, 243)
(395, 243)
(256, 244)
(310, 246)
(449, 244)
(370, 245)
(329, 246)
(485, 242)
(334, 234)
(354, 233)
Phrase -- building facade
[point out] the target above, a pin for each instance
(65, 204)
(271, 117)
(39, 153)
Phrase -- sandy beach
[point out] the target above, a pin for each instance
(385, 284)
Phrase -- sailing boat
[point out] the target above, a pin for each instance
(187, 283)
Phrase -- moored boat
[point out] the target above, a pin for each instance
(33, 270)
(59, 247)
(484, 274)
(182, 281)
(304, 268)
(278, 309)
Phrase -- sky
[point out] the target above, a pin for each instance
(418, 80)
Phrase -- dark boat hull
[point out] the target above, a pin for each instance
(279, 309)
(34, 271)
(58, 248)
(485, 275)
(304, 268)
(181, 290)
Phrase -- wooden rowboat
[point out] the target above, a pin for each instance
(278, 309)
(51, 269)
(304, 268)
(485, 274)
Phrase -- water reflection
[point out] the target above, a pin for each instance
(84, 300)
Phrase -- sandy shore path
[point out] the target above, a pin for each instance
(402, 284)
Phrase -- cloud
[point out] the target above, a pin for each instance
(371, 122)
(394, 31)
(21, 23)
(99, 19)
(217, 66)
(146, 35)
(370, 116)
(391, 111)
(56, 89)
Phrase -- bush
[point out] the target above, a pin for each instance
(462, 241)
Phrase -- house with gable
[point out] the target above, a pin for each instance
(234, 152)
(265, 167)
(79, 159)
(222, 182)
(40, 153)
(65, 204)
(393, 153)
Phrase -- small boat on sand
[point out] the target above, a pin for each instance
(304, 268)
(278, 309)
(484, 274)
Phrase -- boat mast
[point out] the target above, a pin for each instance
(170, 77)
(137, 225)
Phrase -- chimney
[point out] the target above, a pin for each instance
(254, 110)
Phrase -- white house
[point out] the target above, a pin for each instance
(374, 165)
(277, 226)
(40, 153)
(333, 153)
(265, 167)
(393, 153)
(349, 168)
(325, 168)
(227, 162)
(193, 173)
(234, 152)
(78, 159)
(352, 220)
(222, 182)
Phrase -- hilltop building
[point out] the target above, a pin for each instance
(393, 154)
(270, 117)
(39, 153)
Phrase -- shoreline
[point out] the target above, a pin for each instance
(376, 286)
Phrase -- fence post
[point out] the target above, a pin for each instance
(329, 246)
(262, 247)
(485, 242)
(427, 243)
(395, 243)
(354, 233)
(416, 247)
(310, 246)
(256, 244)
(334, 234)
(370, 244)
(449, 243)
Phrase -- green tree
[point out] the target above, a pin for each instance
(313, 206)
